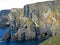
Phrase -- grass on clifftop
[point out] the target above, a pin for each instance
(55, 40)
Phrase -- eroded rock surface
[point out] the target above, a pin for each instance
(39, 20)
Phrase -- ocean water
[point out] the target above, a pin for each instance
(3, 31)
(30, 42)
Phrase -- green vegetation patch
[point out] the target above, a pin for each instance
(55, 40)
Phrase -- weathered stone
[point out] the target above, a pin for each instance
(38, 20)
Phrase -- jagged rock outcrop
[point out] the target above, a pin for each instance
(30, 31)
(4, 18)
(7, 36)
(9, 16)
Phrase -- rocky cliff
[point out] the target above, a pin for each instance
(44, 14)
(39, 20)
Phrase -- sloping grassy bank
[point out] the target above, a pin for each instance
(55, 40)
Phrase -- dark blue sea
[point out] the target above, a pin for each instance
(30, 42)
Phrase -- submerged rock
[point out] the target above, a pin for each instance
(7, 36)
(2, 25)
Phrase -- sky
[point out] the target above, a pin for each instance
(8, 4)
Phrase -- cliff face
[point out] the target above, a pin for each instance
(39, 20)
(45, 14)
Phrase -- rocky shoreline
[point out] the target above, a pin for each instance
(24, 36)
